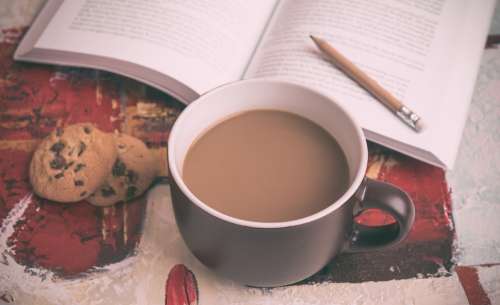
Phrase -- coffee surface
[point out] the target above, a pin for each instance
(267, 166)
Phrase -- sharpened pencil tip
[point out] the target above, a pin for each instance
(315, 39)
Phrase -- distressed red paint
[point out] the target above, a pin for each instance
(53, 236)
(181, 287)
(64, 238)
(13, 179)
(427, 186)
(472, 286)
(36, 98)
(69, 239)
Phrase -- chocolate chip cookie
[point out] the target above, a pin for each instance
(71, 163)
(132, 172)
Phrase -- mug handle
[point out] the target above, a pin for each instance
(388, 198)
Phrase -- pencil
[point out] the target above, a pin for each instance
(369, 84)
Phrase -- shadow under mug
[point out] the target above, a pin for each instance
(268, 254)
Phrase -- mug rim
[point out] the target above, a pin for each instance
(350, 192)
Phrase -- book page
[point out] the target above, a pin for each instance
(200, 43)
(410, 47)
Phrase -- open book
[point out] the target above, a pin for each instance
(426, 52)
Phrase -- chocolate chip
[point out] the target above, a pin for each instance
(121, 146)
(87, 129)
(79, 183)
(81, 149)
(60, 175)
(132, 176)
(57, 147)
(69, 164)
(83, 193)
(119, 168)
(59, 131)
(107, 191)
(58, 162)
(131, 190)
(78, 167)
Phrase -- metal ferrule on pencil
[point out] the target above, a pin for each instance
(408, 116)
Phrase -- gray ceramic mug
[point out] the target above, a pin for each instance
(270, 254)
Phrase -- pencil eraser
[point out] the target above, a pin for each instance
(419, 125)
